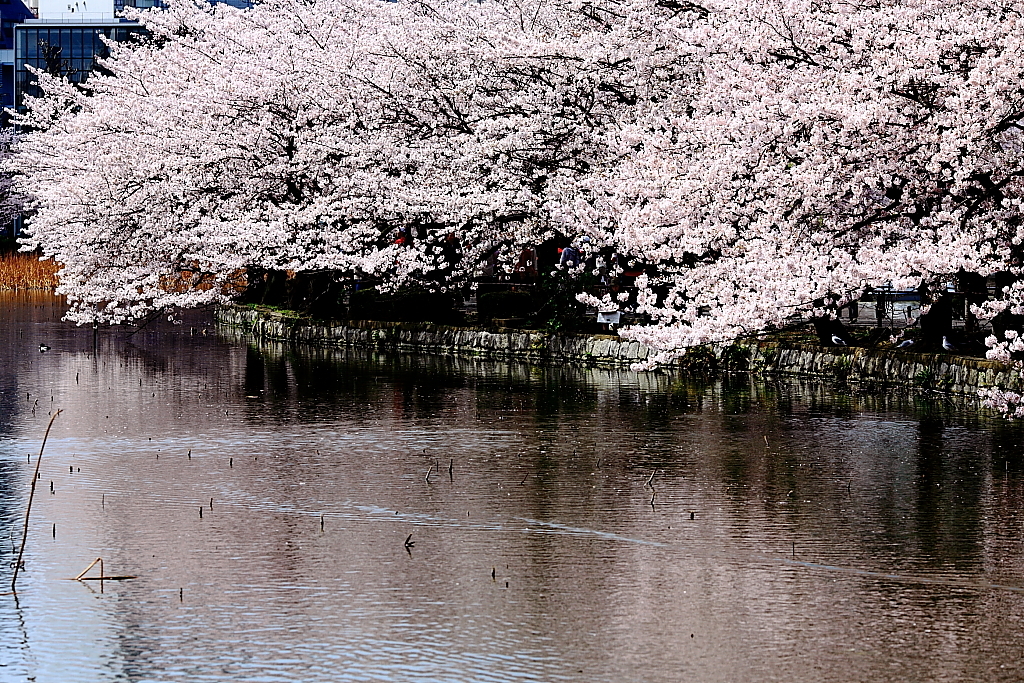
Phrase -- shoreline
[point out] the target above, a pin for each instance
(880, 367)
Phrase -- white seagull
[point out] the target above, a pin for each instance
(838, 340)
(43, 348)
(905, 343)
(948, 345)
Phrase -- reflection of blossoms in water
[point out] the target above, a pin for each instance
(1009, 403)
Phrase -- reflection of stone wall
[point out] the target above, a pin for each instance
(943, 372)
(513, 372)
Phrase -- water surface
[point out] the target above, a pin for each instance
(567, 524)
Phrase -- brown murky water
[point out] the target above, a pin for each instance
(797, 532)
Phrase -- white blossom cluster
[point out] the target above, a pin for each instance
(11, 200)
(767, 160)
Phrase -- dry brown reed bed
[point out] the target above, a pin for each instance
(26, 271)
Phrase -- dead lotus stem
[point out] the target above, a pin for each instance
(31, 497)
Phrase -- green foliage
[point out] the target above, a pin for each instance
(842, 365)
(925, 378)
(280, 310)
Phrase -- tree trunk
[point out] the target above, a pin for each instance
(937, 322)
(975, 293)
(826, 327)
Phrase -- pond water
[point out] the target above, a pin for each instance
(563, 524)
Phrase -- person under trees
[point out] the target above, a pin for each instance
(768, 162)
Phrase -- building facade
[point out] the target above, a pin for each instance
(67, 49)
(66, 38)
(12, 13)
(63, 38)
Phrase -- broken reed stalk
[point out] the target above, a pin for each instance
(31, 497)
(86, 570)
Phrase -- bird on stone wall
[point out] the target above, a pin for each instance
(837, 340)
(906, 343)
(948, 345)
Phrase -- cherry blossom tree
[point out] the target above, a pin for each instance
(301, 136)
(829, 147)
(768, 160)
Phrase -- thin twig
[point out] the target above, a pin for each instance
(31, 496)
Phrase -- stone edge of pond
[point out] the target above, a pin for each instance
(930, 371)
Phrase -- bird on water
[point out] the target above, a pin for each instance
(43, 348)
(837, 340)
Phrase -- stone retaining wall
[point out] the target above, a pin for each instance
(939, 371)
(522, 345)
(943, 372)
